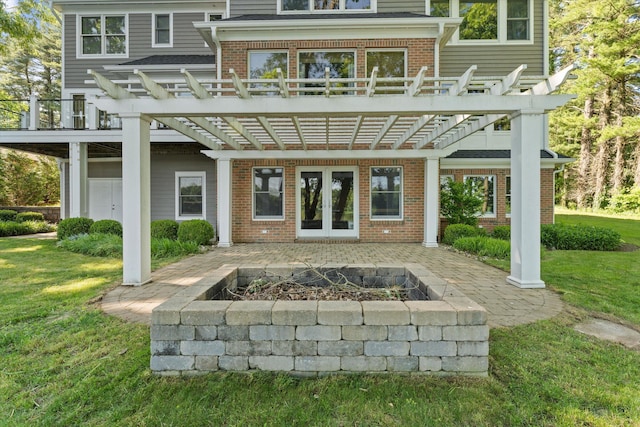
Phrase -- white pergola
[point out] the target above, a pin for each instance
(374, 117)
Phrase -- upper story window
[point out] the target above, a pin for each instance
(263, 65)
(323, 6)
(162, 30)
(313, 65)
(488, 20)
(103, 35)
(390, 63)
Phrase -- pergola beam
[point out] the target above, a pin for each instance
(385, 129)
(416, 86)
(158, 92)
(201, 92)
(373, 80)
(243, 93)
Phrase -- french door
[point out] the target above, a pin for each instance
(327, 201)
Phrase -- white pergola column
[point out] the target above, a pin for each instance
(136, 199)
(78, 182)
(527, 132)
(431, 203)
(224, 175)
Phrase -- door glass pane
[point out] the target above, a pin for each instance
(342, 200)
(311, 200)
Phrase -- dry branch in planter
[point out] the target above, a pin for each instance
(335, 286)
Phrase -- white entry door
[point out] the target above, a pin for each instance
(105, 198)
(327, 201)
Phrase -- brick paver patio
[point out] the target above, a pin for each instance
(506, 305)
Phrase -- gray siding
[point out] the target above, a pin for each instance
(163, 184)
(251, 7)
(388, 6)
(498, 59)
(186, 41)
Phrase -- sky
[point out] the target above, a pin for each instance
(9, 4)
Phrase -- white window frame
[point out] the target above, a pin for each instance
(383, 49)
(190, 174)
(454, 10)
(341, 9)
(355, 65)
(286, 72)
(400, 217)
(154, 41)
(493, 213)
(253, 196)
(79, 51)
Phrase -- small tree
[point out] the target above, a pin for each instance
(460, 202)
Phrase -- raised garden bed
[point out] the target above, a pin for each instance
(434, 330)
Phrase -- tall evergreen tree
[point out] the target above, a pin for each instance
(600, 127)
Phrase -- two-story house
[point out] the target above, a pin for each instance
(304, 120)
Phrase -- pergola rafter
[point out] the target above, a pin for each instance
(351, 114)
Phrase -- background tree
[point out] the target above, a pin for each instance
(600, 127)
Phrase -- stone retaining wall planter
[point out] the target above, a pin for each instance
(445, 335)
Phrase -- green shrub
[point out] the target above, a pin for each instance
(627, 201)
(579, 237)
(29, 216)
(484, 246)
(460, 202)
(73, 227)
(110, 245)
(12, 228)
(196, 230)
(97, 244)
(7, 215)
(39, 226)
(106, 226)
(455, 231)
(502, 232)
(168, 248)
(164, 229)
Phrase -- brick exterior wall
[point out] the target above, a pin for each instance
(546, 195)
(420, 52)
(409, 229)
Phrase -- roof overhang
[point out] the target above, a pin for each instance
(363, 27)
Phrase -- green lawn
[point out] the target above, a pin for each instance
(63, 362)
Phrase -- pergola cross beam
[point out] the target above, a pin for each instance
(158, 92)
(243, 92)
(201, 92)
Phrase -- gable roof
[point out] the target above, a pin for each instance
(296, 16)
(498, 154)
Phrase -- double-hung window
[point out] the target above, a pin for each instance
(386, 193)
(103, 35)
(162, 30)
(326, 5)
(268, 193)
(485, 186)
(190, 195)
(501, 21)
